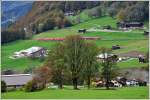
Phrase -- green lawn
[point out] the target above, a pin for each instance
(7, 50)
(116, 35)
(119, 93)
(74, 29)
(23, 63)
(129, 41)
(131, 64)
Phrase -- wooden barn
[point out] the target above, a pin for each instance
(126, 25)
(82, 31)
(41, 52)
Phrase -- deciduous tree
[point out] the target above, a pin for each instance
(109, 68)
(121, 15)
(74, 57)
(43, 75)
(57, 63)
(91, 64)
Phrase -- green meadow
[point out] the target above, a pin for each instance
(129, 41)
(93, 93)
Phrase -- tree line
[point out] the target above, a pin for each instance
(10, 35)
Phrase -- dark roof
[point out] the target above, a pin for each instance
(39, 50)
(16, 79)
(138, 24)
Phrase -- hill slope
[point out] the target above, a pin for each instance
(133, 41)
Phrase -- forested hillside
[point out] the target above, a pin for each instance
(50, 15)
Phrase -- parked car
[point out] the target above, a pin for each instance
(132, 82)
(128, 83)
(116, 84)
(122, 81)
(100, 84)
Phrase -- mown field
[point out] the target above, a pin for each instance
(67, 93)
(129, 41)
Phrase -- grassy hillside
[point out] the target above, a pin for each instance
(22, 63)
(74, 29)
(119, 93)
(129, 41)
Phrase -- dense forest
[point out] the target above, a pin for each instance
(50, 15)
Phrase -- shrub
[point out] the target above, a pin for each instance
(42, 76)
(29, 70)
(11, 89)
(30, 86)
(8, 72)
(3, 86)
(34, 85)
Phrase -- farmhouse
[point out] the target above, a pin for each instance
(16, 80)
(40, 52)
(106, 56)
(102, 56)
(125, 25)
(33, 51)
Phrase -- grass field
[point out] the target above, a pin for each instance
(119, 93)
(129, 41)
(131, 64)
(22, 63)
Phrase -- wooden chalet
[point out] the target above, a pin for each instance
(126, 25)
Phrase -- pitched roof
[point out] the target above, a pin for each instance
(33, 49)
(16, 79)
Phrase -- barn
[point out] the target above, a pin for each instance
(40, 52)
(16, 80)
(131, 25)
(30, 52)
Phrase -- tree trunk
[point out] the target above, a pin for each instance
(60, 85)
(107, 85)
(75, 83)
(88, 82)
